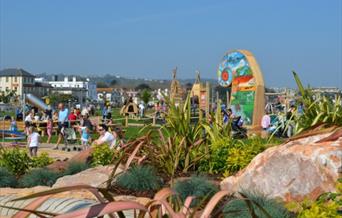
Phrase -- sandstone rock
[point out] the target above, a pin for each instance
(83, 157)
(292, 171)
(93, 176)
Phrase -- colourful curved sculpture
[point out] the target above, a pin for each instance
(240, 70)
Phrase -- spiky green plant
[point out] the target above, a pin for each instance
(317, 109)
(139, 178)
(75, 167)
(240, 208)
(7, 179)
(179, 124)
(37, 177)
(197, 186)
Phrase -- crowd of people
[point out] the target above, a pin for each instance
(63, 121)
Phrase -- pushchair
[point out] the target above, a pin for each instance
(238, 132)
(70, 138)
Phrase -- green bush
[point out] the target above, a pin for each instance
(216, 160)
(197, 186)
(102, 155)
(75, 167)
(241, 155)
(37, 177)
(228, 156)
(327, 205)
(317, 209)
(238, 208)
(41, 161)
(139, 178)
(15, 160)
(7, 179)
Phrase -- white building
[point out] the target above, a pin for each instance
(22, 82)
(114, 96)
(76, 83)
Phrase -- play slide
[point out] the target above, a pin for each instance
(36, 102)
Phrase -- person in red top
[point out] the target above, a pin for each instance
(72, 116)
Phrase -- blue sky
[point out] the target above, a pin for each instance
(147, 39)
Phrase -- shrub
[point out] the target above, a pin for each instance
(139, 178)
(327, 209)
(102, 155)
(15, 160)
(216, 161)
(229, 156)
(37, 177)
(241, 155)
(7, 179)
(197, 186)
(41, 161)
(75, 167)
(327, 205)
(238, 208)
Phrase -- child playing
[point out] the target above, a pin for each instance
(85, 137)
(49, 127)
(13, 126)
(33, 141)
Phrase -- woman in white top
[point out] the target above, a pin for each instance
(33, 141)
(28, 122)
(105, 136)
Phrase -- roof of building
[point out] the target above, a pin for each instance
(15, 72)
(104, 89)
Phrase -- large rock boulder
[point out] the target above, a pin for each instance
(306, 167)
(81, 157)
(94, 176)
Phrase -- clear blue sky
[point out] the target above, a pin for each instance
(147, 39)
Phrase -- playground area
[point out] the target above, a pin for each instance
(191, 154)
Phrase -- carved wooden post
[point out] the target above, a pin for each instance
(154, 119)
(126, 121)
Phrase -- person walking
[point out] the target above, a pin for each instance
(49, 127)
(62, 122)
(33, 141)
(290, 120)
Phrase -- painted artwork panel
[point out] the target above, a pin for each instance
(242, 82)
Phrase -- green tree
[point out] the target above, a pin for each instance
(113, 83)
(143, 86)
(101, 84)
(145, 96)
(56, 98)
(7, 96)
